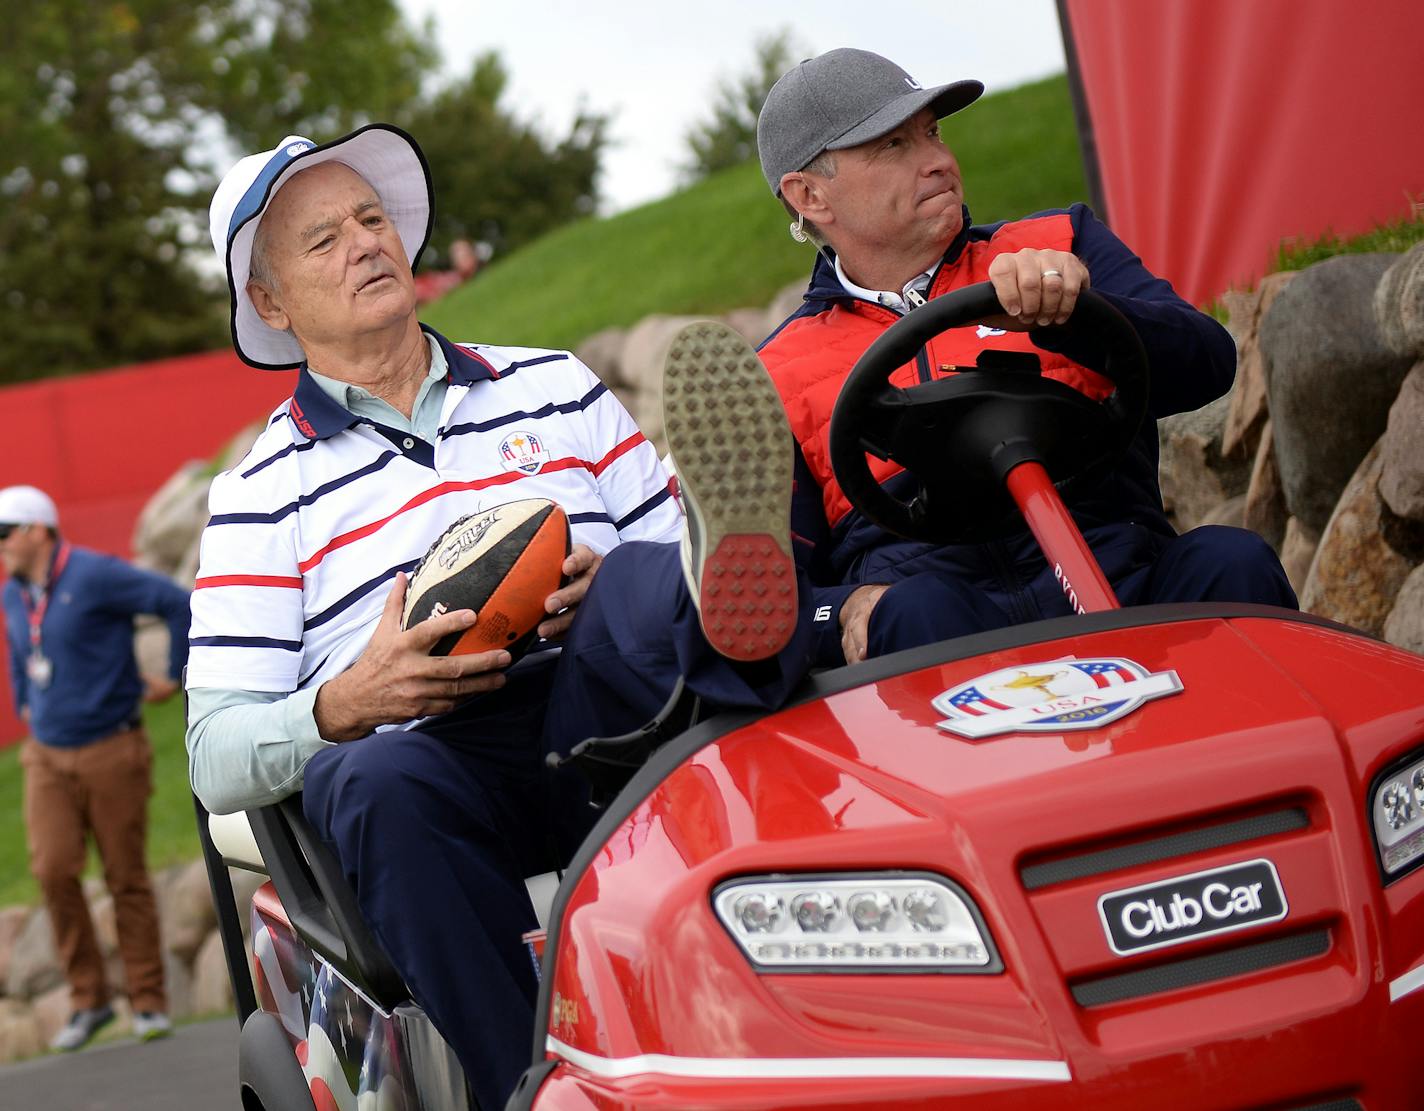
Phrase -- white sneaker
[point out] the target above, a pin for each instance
(148, 1025)
(729, 438)
(82, 1026)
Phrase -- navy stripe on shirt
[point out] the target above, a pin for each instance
(245, 642)
(533, 414)
(306, 499)
(644, 509)
(356, 595)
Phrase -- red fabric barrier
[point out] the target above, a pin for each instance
(1225, 128)
(100, 444)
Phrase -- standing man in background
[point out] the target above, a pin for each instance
(88, 766)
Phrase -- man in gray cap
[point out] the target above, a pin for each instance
(850, 144)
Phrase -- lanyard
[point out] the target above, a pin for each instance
(37, 611)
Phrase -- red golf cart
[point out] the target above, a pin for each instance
(1157, 857)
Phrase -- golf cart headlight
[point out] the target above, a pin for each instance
(870, 922)
(1397, 814)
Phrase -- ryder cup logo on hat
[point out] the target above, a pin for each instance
(387, 158)
(1054, 696)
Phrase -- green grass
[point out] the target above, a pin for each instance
(172, 832)
(1396, 236)
(722, 244)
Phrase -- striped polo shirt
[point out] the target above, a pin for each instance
(308, 531)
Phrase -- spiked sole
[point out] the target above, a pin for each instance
(729, 438)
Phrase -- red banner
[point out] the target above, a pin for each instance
(1226, 128)
(100, 444)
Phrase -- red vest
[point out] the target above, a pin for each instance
(810, 358)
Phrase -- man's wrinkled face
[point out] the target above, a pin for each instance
(338, 268)
(899, 192)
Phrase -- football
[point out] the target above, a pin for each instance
(501, 563)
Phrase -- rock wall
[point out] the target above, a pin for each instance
(34, 1001)
(1328, 411)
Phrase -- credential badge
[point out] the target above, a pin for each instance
(1051, 697)
(523, 451)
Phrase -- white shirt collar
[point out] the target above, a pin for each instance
(896, 302)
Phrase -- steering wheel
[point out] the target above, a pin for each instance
(958, 437)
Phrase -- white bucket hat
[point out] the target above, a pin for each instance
(385, 156)
(27, 505)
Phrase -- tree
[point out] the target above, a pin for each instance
(729, 137)
(497, 180)
(119, 116)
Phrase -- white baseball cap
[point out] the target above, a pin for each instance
(386, 157)
(27, 505)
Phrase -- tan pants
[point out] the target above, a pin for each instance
(100, 788)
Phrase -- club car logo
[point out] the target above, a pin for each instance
(1188, 907)
(1051, 697)
(523, 451)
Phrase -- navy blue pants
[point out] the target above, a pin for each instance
(959, 590)
(436, 827)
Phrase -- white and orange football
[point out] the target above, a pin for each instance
(502, 563)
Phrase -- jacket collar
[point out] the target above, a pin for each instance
(826, 286)
(318, 416)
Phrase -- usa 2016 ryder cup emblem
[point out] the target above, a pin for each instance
(1051, 697)
(523, 451)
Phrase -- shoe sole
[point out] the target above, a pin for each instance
(729, 437)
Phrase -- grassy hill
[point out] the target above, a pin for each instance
(723, 243)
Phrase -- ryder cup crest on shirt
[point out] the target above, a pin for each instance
(523, 450)
(1052, 696)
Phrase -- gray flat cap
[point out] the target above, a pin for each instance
(841, 99)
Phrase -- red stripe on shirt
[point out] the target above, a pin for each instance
(621, 449)
(430, 495)
(248, 580)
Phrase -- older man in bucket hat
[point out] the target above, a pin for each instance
(850, 144)
(427, 774)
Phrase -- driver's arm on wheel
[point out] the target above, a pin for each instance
(1037, 287)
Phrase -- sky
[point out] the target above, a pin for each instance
(655, 66)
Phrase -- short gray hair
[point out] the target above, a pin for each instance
(259, 266)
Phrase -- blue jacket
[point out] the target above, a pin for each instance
(87, 635)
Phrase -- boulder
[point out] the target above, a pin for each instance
(1298, 552)
(186, 911)
(1405, 624)
(172, 517)
(1230, 512)
(1265, 509)
(1363, 557)
(602, 353)
(178, 984)
(1402, 481)
(786, 302)
(34, 967)
(12, 925)
(1247, 413)
(238, 447)
(1399, 304)
(19, 1031)
(750, 324)
(212, 990)
(646, 348)
(51, 1011)
(1329, 377)
(1195, 477)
